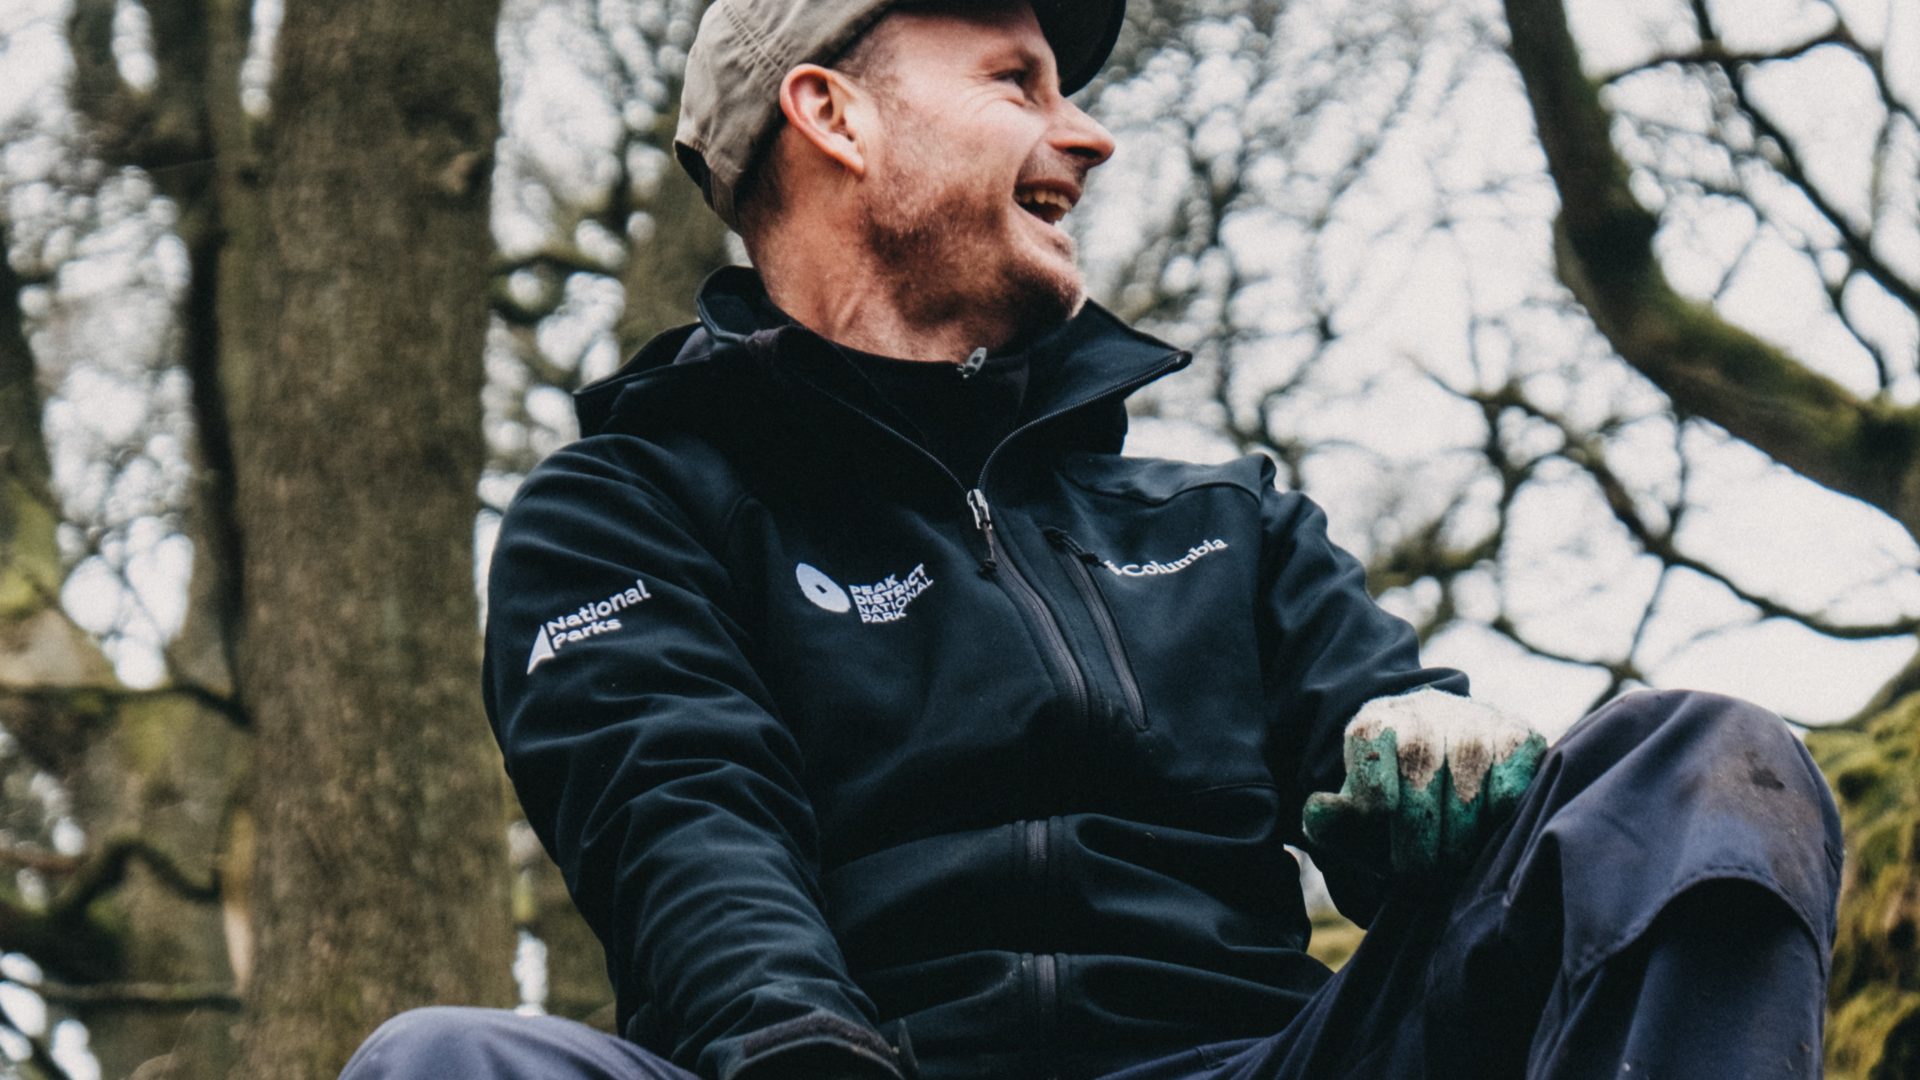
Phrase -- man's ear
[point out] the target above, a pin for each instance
(826, 109)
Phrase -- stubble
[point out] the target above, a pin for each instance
(943, 242)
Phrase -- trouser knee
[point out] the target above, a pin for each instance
(443, 1040)
(1712, 786)
(1698, 734)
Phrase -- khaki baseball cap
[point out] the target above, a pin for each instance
(729, 102)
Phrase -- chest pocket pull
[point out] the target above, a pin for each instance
(1080, 567)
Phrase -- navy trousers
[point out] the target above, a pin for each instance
(1661, 905)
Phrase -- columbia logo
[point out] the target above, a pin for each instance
(1153, 568)
(590, 620)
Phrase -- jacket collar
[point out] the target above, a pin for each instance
(1089, 360)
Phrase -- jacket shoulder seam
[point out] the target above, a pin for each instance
(1148, 500)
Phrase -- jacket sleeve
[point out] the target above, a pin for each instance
(1329, 650)
(651, 762)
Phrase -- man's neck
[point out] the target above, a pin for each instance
(841, 297)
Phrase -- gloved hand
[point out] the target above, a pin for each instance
(1429, 776)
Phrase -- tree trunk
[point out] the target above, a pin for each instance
(381, 875)
(164, 770)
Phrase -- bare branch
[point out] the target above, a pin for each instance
(150, 997)
(556, 265)
(107, 869)
(68, 943)
(1710, 368)
(556, 261)
(93, 698)
(1858, 245)
(1874, 59)
(1713, 53)
(1588, 454)
(42, 1057)
(40, 861)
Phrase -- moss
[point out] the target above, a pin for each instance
(161, 737)
(30, 570)
(1881, 844)
(1873, 1024)
(1860, 1034)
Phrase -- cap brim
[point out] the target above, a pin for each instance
(1082, 33)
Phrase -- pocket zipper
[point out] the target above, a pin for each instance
(1080, 560)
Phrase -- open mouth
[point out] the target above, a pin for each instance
(1044, 203)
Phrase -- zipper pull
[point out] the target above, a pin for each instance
(983, 521)
(973, 363)
(982, 513)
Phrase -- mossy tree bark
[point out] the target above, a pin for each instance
(349, 855)
(165, 775)
(130, 935)
(357, 451)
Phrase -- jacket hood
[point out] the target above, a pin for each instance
(1092, 361)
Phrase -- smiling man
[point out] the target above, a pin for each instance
(886, 722)
(934, 183)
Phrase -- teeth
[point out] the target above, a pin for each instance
(1050, 205)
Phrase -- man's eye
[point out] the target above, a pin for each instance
(1017, 76)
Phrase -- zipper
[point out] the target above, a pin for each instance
(1037, 851)
(1016, 584)
(1046, 992)
(919, 451)
(1023, 592)
(1168, 363)
(1081, 560)
(1046, 975)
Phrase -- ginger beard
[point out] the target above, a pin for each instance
(955, 244)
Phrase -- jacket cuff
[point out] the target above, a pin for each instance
(817, 1044)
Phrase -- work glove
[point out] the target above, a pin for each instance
(1430, 775)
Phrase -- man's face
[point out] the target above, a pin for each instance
(977, 159)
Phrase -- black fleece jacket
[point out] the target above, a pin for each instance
(849, 759)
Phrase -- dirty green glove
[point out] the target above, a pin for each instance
(1429, 776)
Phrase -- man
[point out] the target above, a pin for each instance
(886, 722)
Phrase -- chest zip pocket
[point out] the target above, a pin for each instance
(1080, 565)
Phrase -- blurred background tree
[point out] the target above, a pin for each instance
(261, 330)
(1628, 405)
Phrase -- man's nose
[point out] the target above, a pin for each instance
(1081, 136)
